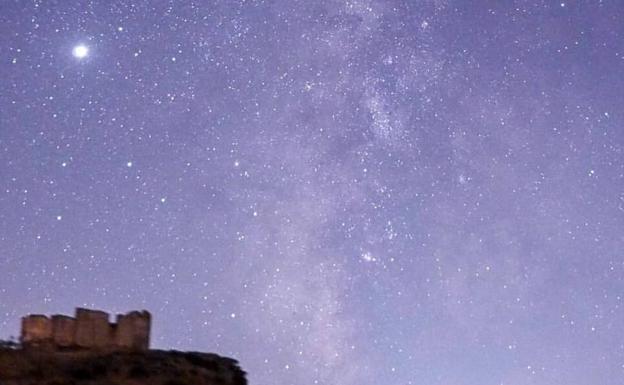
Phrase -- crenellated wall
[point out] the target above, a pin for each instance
(90, 329)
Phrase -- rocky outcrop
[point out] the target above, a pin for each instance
(92, 367)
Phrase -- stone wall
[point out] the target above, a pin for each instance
(63, 330)
(36, 329)
(133, 330)
(90, 329)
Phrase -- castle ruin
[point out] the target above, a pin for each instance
(89, 329)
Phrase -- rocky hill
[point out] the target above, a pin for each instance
(82, 367)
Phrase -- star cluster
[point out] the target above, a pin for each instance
(332, 192)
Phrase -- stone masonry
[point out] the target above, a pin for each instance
(63, 330)
(89, 329)
(132, 331)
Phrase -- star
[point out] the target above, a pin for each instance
(80, 51)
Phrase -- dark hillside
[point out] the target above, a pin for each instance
(154, 367)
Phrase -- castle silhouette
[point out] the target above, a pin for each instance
(89, 329)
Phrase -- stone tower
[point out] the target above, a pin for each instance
(133, 330)
(92, 329)
(36, 330)
(63, 330)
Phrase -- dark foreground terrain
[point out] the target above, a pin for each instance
(155, 367)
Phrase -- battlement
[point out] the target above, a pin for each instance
(89, 329)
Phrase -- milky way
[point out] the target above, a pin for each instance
(332, 192)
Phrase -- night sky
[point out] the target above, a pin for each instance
(332, 192)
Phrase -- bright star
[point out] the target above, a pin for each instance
(80, 51)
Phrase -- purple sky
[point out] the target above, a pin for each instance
(333, 192)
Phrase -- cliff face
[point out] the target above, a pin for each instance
(81, 367)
